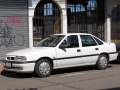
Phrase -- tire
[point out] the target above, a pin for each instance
(102, 62)
(43, 68)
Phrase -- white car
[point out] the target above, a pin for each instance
(61, 51)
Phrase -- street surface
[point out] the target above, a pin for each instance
(80, 78)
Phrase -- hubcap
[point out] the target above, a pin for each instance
(103, 61)
(44, 68)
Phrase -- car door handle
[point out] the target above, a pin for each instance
(96, 48)
(78, 50)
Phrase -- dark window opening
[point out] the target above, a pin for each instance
(115, 27)
(86, 16)
(46, 21)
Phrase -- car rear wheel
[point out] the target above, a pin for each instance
(43, 68)
(102, 62)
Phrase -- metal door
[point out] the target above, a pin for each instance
(14, 32)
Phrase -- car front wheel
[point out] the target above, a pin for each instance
(43, 68)
(102, 62)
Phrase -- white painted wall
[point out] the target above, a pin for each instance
(63, 16)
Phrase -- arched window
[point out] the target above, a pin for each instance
(47, 20)
(48, 9)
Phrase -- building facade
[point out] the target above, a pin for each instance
(14, 31)
(25, 22)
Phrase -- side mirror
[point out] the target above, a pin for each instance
(63, 46)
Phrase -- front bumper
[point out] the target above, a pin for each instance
(19, 66)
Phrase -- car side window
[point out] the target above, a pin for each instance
(71, 41)
(87, 40)
(98, 41)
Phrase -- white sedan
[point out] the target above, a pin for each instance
(61, 51)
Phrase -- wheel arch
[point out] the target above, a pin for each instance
(49, 59)
(104, 53)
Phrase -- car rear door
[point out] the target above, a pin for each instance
(90, 50)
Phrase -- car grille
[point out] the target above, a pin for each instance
(10, 58)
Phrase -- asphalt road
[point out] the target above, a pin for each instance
(80, 78)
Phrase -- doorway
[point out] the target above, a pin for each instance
(47, 20)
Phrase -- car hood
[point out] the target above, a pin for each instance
(29, 51)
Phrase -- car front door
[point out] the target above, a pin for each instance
(68, 52)
(89, 50)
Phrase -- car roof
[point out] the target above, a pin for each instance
(74, 34)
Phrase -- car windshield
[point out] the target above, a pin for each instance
(50, 41)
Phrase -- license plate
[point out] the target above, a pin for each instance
(8, 64)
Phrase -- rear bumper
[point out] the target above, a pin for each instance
(113, 56)
(118, 57)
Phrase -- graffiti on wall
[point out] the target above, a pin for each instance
(14, 20)
(7, 38)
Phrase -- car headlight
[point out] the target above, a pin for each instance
(23, 58)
